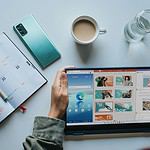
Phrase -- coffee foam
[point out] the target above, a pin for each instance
(84, 30)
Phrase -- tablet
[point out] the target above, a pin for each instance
(108, 100)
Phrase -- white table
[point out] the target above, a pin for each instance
(108, 50)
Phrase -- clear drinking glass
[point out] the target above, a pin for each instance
(136, 29)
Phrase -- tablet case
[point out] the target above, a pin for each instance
(78, 132)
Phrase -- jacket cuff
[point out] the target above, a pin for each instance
(49, 129)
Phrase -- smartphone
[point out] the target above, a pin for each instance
(36, 41)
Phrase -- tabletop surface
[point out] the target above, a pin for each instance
(108, 50)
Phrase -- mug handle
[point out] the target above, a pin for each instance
(102, 31)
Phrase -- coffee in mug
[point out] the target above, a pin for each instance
(85, 30)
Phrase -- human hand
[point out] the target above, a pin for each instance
(59, 95)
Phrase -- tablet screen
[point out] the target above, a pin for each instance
(108, 96)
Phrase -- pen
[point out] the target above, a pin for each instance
(5, 99)
(3, 96)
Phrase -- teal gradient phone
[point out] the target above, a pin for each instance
(36, 41)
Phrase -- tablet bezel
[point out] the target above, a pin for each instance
(106, 128)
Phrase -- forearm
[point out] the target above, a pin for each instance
(47, 134)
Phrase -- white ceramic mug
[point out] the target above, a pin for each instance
(85, 30)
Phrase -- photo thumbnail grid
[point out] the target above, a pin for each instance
(114, 93)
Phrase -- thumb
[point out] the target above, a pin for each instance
(63, 80)
(63, 85)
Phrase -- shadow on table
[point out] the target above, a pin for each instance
(142, 46)
(5, 121)
(84, 51)
(138, 52)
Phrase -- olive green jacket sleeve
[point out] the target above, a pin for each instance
(47, 134)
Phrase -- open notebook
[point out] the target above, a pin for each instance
(19, 79)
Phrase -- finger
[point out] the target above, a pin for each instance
(58, 76)
(63, 84)
(63, 80)
(69, 67)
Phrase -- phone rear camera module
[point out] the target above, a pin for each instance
(21, 29)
